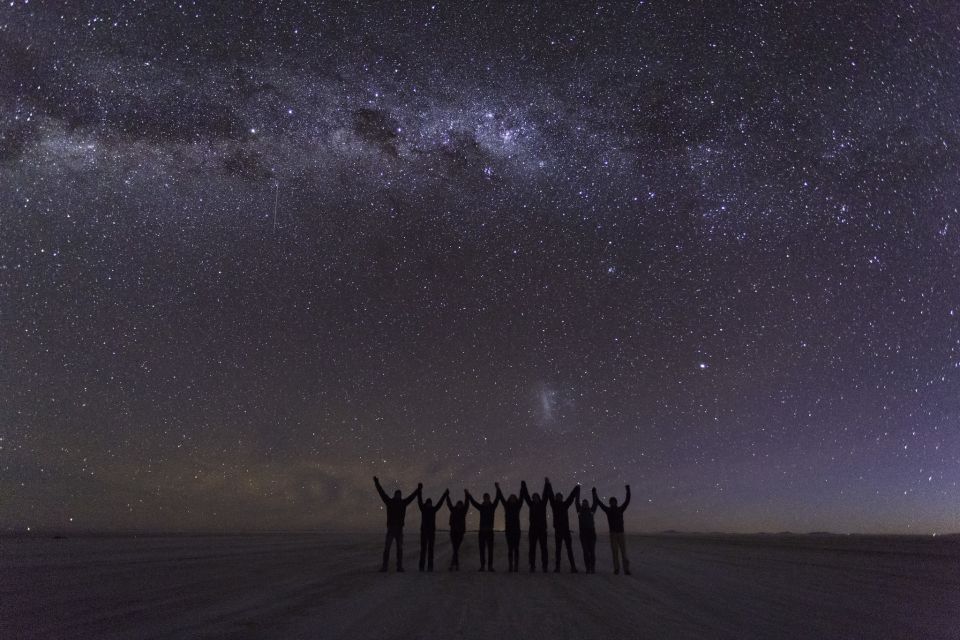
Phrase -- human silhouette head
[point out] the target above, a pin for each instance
(486, 497)
(585, 505)
(428, 501)
(512, 499)
(536, 498)
(397, 495)
(558, 495)
(459, 504)
(613, 502)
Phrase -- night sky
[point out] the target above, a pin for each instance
(253, 253)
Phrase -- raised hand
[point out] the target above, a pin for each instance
(419, 486)
(376, 479)
(496, 485)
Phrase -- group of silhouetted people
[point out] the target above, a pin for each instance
(396, 507)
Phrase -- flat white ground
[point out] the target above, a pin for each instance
(327, 586)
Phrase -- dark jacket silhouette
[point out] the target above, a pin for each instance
(559, 506)
(614, 512)
(511, 512)
(588, 534)
(458, 515)
(487, 510)
(537, 533)
(585, 513)
(561, 523)
(428, 528)
(537, 511)
(428, 511)
(396, 506)
(458, 526)
(618, 542)
(396, 514)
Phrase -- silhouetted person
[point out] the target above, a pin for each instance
(396, 513)
(428, 527)
(511, 511)
(561, 523)
(588, 534)
(487, 510)
(615, 520)
(458, 527)
(537, 533)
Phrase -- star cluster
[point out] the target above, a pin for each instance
(252, 254)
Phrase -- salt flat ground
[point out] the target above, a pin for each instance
(327, 586)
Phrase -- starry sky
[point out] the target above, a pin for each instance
(253, 253)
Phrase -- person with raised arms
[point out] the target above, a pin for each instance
(458, 527)
(511, 512)
(537, 533)
(561, 523)
(428, 527)
(487, 511)
(618, 543)
(588, 534)
(396, 514)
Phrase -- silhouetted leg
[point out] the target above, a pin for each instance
(489, 535)
(431, 537)
(490, 551)
(509, 557)
(615, 548)
(399, 538)
(423, 549)
(483, 551)
(593, 553)
(509, 552)
(589, 542)
(623, 552)
(386, 549)
(544, 558)
(513, 550)
(532, 544)
(456, 538)
(569, 542)
(557, 542)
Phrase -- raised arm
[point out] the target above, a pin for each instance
(547, 490)
(476, 505)
(574, 497)
(383, 494)
(441, 499)
(420, 499)
(415, 494)
(524, 496)
(597, 502)
(623, 507)
(499, 493)
(449, 504)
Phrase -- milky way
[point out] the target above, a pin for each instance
(252, 255)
